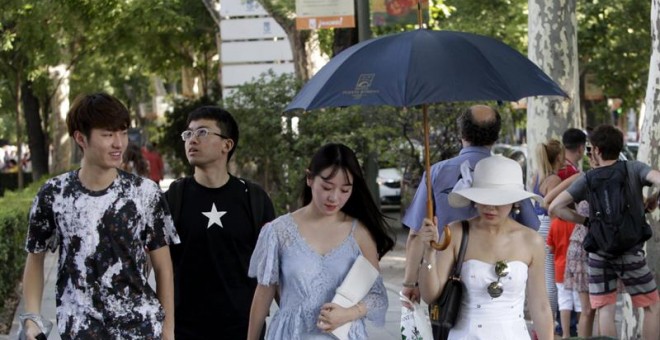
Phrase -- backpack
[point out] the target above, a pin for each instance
(616, 216)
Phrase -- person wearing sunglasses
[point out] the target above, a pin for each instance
(504, 260)
(218, 216)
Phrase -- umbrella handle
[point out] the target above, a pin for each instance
(445, 243)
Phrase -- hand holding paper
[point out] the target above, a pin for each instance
(353, 289)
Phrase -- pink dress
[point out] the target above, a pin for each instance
(576, 276)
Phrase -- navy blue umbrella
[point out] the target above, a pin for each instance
(423, 67)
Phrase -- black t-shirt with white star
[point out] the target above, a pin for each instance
(212, 289)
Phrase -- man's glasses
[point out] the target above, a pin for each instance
(588, 147)
(495, 288)
(199, 133)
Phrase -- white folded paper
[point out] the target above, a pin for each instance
(353, 289)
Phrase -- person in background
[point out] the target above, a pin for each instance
(567, 299)
(504, 261)
(155, 161)
(574, 141)
(604, 268)
(576, 276)
(479, 128)
(218, 217)
(101, 219)
(133, 161)
(550, 157)
(305, 255)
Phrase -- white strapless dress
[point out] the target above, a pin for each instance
(483, 317)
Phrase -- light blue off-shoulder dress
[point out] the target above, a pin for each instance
(307, 280)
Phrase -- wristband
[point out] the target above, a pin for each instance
(410, 285)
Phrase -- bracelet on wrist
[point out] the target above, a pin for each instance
(427, 264)
(410, 285)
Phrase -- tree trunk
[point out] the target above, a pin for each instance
(343, 39)
(553, 47)
(19, 126)
(649, 151)
(304, 44)
(62, 144)
(299, 41)
(36, 136)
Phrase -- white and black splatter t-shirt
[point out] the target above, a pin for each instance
(102, 292)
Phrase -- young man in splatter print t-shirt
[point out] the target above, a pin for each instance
(105, 223)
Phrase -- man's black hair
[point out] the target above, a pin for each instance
(479, 133)
(223, 119)
(573, 138)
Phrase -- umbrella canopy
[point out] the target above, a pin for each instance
(424, 67)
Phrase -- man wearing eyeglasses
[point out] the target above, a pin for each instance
(218, 217)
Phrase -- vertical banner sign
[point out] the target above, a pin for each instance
(390, 12)
(315, 14)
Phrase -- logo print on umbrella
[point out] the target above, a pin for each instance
(362, 86)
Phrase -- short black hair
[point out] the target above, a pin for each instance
(223, 119)
(97, 111)
(573, 138)
(479, 133)
(609, 140)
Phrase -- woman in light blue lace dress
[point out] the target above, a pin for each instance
(305, 255)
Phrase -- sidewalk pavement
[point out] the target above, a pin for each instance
(48, 300)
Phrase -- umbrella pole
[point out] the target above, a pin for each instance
(429, 191)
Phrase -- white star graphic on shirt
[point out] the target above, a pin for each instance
(214, 217)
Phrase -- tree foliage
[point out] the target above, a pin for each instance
(614, 44)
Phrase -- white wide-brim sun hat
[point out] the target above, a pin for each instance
(496, 181)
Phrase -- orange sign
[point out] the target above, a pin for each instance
(312, 23)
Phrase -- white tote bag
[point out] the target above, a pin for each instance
(415, 322)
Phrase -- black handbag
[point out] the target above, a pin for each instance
(443, 312)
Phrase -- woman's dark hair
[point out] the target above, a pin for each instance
(133, 156)
(223, 119)
(360, 204)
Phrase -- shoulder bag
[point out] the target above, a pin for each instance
(444, 311)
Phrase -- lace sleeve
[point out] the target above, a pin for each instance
(265, 261)
(376, 303)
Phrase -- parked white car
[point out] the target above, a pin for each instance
(389, 185)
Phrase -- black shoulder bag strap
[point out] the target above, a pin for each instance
(456, 273)
(174, 197)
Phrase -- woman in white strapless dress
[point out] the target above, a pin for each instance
(500, 253)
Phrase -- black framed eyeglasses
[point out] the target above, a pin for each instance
(495, 288)
(200, 133)
(588, 148)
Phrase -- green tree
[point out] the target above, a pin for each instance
(116, 46)
(614, 46)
